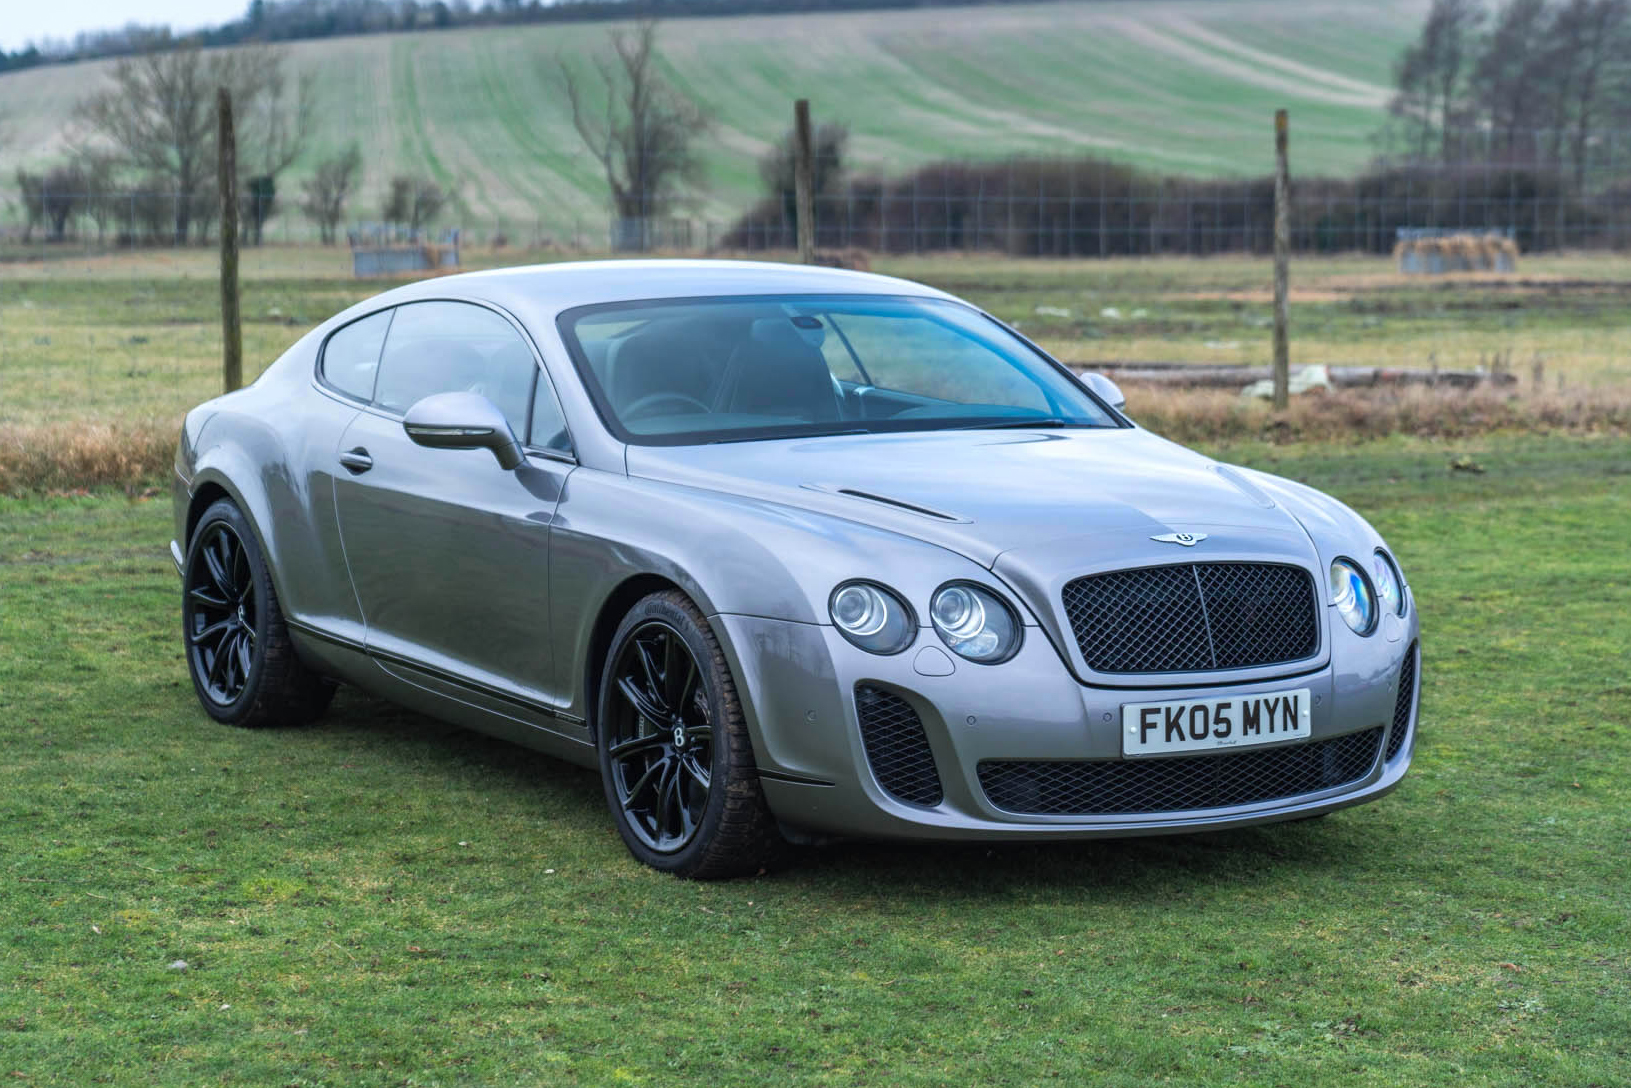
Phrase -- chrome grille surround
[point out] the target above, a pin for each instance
(1193, 617)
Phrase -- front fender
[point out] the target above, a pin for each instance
(732, 555)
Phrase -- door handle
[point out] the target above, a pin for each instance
(356, 461)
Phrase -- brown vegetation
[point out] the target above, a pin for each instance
(65, 457)
(1216, 415)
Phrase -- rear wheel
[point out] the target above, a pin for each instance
(675, 758)
(242, 663)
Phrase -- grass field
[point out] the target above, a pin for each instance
(382, 900)
(133, 337)
(1180, 85)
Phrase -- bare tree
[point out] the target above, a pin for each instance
(1431, 76)
(644, 139)
(414, 201)
(1588, 36)
(828, 144)
(158, 115)
(1510, 79)
(326, 192)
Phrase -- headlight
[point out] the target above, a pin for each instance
(1352, 595)
(1389, 582)
(872, 617)
(975, 623)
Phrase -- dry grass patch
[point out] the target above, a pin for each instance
(1217, 415)
(70, 456)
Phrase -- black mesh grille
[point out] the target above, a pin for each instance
(896, 746)
(1402, 705)
(1193, 617)
(1178, 783)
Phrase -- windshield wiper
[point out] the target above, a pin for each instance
(1045, 421)
(778, 437)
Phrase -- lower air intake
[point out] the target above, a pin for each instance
(1178, 784)
(897, 747)
(1403, 704)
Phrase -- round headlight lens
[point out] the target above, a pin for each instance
(872, 617)
(975, 623)
(1352, 595)
(1389, 583)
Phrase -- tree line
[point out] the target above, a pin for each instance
(1535, 81)
(141, 152)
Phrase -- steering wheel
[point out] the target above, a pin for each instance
(643, 404)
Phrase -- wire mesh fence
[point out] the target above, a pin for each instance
(1544, 190)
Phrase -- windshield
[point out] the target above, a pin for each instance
(688, 371)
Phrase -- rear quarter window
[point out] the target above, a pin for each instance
(351, 355)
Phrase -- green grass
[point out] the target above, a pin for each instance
(384, 900)
(1161, 84)
(136, 337)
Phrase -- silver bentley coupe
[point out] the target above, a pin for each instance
(789, 555)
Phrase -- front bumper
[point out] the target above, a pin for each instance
(799, 683)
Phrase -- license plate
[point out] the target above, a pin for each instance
(1207, 725)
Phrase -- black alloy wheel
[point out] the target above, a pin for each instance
(239, 654)
(675, 757)
(660, 741)
(221, 614)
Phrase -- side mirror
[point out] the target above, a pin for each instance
(1108, 391)
(463, 421)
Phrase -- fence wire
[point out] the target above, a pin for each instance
(1544, 190)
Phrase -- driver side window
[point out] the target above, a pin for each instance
(450, 347)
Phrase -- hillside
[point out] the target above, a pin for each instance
(1182, 85)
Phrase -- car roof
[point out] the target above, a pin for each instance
(541, 291)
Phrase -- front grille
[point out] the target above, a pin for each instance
(1402, 705)
(896, 746)
(1178, 783)
(1194, 617)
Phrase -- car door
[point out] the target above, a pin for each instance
(449, 552)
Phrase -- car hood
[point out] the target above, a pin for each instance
(984, 493)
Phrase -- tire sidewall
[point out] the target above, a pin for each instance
(665, 611)
(224, 511)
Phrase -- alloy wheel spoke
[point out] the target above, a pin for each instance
(215, 561)
(641, 783)
(218, 665)
(205, 598)
(215, 633)
(241, 581)
(677, 670)
(643, 703)
(243, 646)
(698, 773)
(637, 746)
(667, 796)
(647, 666)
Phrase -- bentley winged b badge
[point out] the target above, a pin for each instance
(1188, 540)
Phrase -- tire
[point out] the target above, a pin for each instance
(242, 663)
(681, 783)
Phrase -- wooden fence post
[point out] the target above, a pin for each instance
(803, 181)
(232, 333)
(1282, 258)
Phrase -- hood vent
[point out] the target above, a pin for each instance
(886, 500)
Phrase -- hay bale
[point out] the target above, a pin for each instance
(1506, 255)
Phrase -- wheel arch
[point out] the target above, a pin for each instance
(623, 597)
